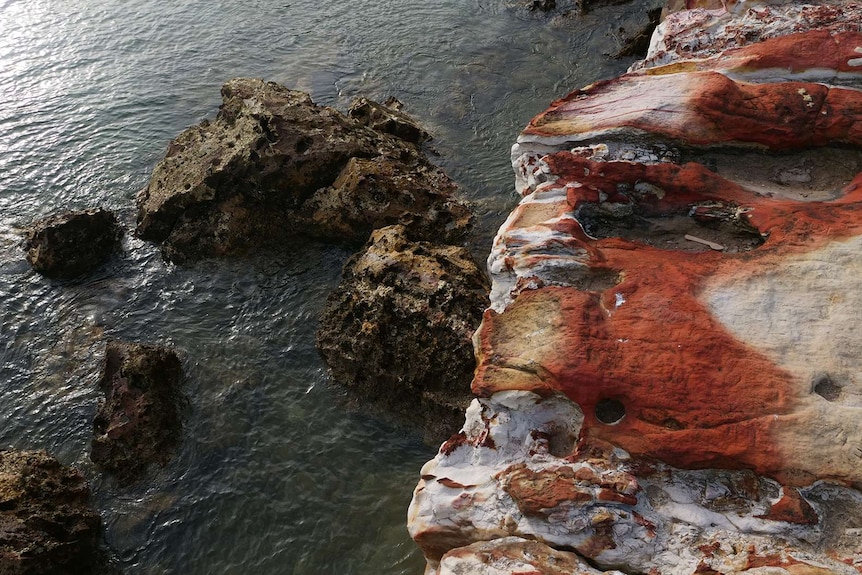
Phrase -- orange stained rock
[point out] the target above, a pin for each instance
(693, 394)
(819, 49)
(707, 108)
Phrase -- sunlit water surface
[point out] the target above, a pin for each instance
(274, 474)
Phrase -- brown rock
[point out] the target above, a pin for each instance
(678, 288)
(397, 329)
(72, 244)
(139, 421)
(239, 182)
(388, 119)
(373, 193)
(46, 524)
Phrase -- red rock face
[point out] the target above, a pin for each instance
(694, 395)
(707, 108)
(683, 270)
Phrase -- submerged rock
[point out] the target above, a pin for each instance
(542, 5)
(48, 527)
(72, 244)
(139, 422)
(388, 119)
(667, 371)
(397, 329)
(242, 181)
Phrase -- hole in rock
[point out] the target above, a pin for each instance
(826, 388)
(667, 232)
(610, 411)
(561, 443)
(671, 423)
(303, 145)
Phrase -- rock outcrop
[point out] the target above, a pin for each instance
(397, 330)
(138, 423)
(72, 244)
(264, 170)
(668, 371)
(48, 527)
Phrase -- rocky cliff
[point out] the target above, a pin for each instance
(668, 375)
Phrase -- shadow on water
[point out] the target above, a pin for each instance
(273, 474)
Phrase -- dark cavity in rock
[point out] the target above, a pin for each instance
(826, 388)
(610, 411)
(716, 225)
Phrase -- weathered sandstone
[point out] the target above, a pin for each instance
(668, 370)
(48, 526)
(138, 423)
(397, 329)
(263, 170)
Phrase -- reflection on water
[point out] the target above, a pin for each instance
(274, 474)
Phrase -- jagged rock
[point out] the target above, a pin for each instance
(377, 192)
(517, 470)
(388, 119)
(667, 371)
(46, 524)
(706, 30)
(241, 181)
(139, 421)
(397, 329)
(637, 44)
(72, 244)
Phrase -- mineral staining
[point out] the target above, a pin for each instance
(667, 373)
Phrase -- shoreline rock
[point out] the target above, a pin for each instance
(666, 375)
(273, 165)
(138, 423)
(397, 330)
(48, 526)
(72, 244)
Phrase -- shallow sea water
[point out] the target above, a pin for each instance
(275, 474)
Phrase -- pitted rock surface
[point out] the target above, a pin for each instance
(397, 329)
(241, 181)
(139, 422)
(47, 526)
